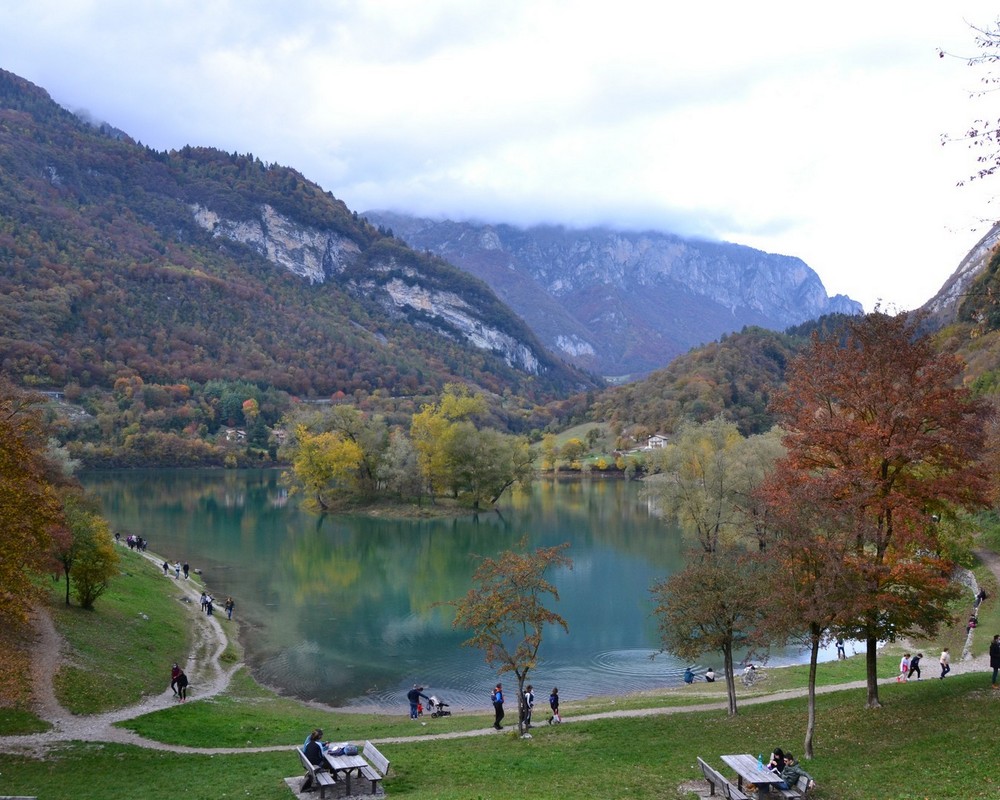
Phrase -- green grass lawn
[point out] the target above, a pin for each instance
(918, 745)
(123, 648)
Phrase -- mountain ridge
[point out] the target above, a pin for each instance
(624, 303)
(195, 264)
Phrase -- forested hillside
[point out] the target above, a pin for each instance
(106, 274)
(735, 376)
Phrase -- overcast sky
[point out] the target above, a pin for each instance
(798, 128)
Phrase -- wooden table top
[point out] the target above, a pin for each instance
(746, 767)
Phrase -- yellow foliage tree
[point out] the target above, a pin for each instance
(29, 507)
(325, 463)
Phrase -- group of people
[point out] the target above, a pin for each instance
(177, 568)
(910, 666)
(208, 605)
(785, 765)
(689, 675)
(134, 542)
(496, 697)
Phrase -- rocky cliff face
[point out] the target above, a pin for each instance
(430, 296)
(943, 307)
(623, 303)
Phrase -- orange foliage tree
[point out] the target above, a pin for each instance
(505, 611)
(29, 507)
(882, 442)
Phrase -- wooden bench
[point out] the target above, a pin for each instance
(716, 780)
(320, 777)
(377, 767)
(798, 790)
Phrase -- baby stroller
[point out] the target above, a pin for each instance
(438, 709)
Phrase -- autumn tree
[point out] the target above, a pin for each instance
(882, 441)
(398, 471)
(94, 558)
(455, 456)
(707, 481)
(323, 465)
(550, 451)
(337, 454)
(506, 610)
(812, 594)
(707, 474)
(29, 506)
(714, 605)
(431, 427)
(572, 450)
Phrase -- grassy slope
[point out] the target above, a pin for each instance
(916, 746)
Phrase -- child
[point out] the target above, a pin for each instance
(904, 668)
(554, 705)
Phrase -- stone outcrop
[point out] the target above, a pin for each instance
(943, 307)
(319, 256)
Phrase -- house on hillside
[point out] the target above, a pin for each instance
(656, 441)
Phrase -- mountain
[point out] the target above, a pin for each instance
(944, 308)
(192, 265)
(623, 304)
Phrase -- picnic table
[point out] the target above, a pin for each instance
(346, 766)
(746, 768)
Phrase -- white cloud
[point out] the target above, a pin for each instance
(811, 133)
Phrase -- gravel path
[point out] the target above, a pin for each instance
(210, 678)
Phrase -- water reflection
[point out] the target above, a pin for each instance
(346, 609)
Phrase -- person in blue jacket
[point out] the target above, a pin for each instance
(498, 706)
(414, 696)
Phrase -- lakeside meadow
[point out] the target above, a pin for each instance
(909, 748)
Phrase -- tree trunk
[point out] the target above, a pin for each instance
(871, 668)
(66, 573)
(730, 680)
(521, 710)
(811, 721)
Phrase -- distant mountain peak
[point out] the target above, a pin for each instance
(625, 302)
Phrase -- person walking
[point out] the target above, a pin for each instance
(175, 672)
(915, 666)
(841, 653)
(414, 696)
(204, 601)
(554, 705)
(182, 685)
(904, 668)
(945, 662)
(498, 706)
(187, 569)
(230, 605)
(995, 657)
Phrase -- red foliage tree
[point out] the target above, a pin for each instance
(882, 441)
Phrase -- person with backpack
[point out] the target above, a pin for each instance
(529, 703)
(497, 706)
(554, 705)
(182, 686)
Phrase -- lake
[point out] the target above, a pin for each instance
(346, 610)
